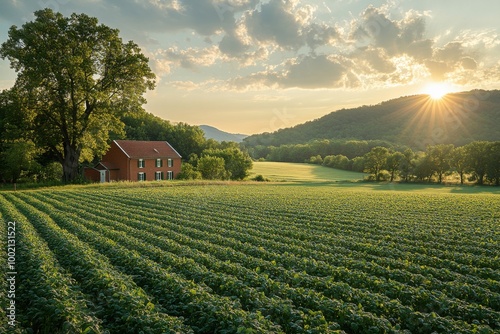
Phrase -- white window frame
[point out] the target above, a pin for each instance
(158, 163)
(170, 162)
(170, 175)
(158, 176)
(142, 176)
(141, 163)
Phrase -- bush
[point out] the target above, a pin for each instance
(188, 172)
(260, 178)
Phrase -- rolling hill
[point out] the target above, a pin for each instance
(414, 121)
(219, 135)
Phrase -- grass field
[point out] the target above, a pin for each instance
(285, 171)
(253, 258)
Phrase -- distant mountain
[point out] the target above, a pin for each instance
(413, 121)
(219, 135)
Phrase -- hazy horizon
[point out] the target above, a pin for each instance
(250, 66)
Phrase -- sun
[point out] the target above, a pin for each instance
(437, 90)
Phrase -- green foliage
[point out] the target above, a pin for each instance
(406, 165)
(375, 160)
(440, 159)
(393, 163)
(236, 162)
(358, 164)
(477, 159)
(302, 152)
(51, 172)
(480, 159)
(212, 168)
(73, 87)
(315, 159)
(186, 139)
(17, 159)
(188, 172)
(410, 121)
(493, 163)
(459, 162)
(260, 178)
(220, 161)
(337, 161)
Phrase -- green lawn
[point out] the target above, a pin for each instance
(314, 175)
(300, 172)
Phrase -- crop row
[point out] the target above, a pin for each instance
(320, 251)
(254, 259)
(118, 302)
(441, 302)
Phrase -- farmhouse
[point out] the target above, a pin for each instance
(133, 160)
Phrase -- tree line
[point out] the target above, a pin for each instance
(478, 162)
(324, 147)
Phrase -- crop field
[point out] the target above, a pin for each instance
(249, 258)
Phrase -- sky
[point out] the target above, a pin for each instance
(252, 66)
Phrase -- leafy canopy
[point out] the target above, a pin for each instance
(76, 78)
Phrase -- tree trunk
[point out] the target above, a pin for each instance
(70, 163)
(480, 178)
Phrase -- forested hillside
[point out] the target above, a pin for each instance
(413, 121)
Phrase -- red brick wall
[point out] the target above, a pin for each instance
(128, 169)
(150, 168)
(92, 174)
(117, 158)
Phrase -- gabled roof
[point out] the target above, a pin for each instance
(138, 149)
(106, 165)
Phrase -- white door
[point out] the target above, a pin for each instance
(103, 176)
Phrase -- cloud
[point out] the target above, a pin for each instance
(373, 60)
(319, 34)
(381, 42)
(205, 17)
(284, 43)
(232, 45)
(406, 36)
(190, 58)
(275, 22)
(307, 72)
(314, 72)
(468, 63)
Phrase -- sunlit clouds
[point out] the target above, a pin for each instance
(344, 53)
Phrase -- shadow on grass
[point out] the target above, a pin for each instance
(395, 186)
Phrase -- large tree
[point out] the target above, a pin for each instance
(393, 163)
(477, 159)
(493, 163)
(440, 158)
(76, 77)
(459, 162)
(375, 160)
